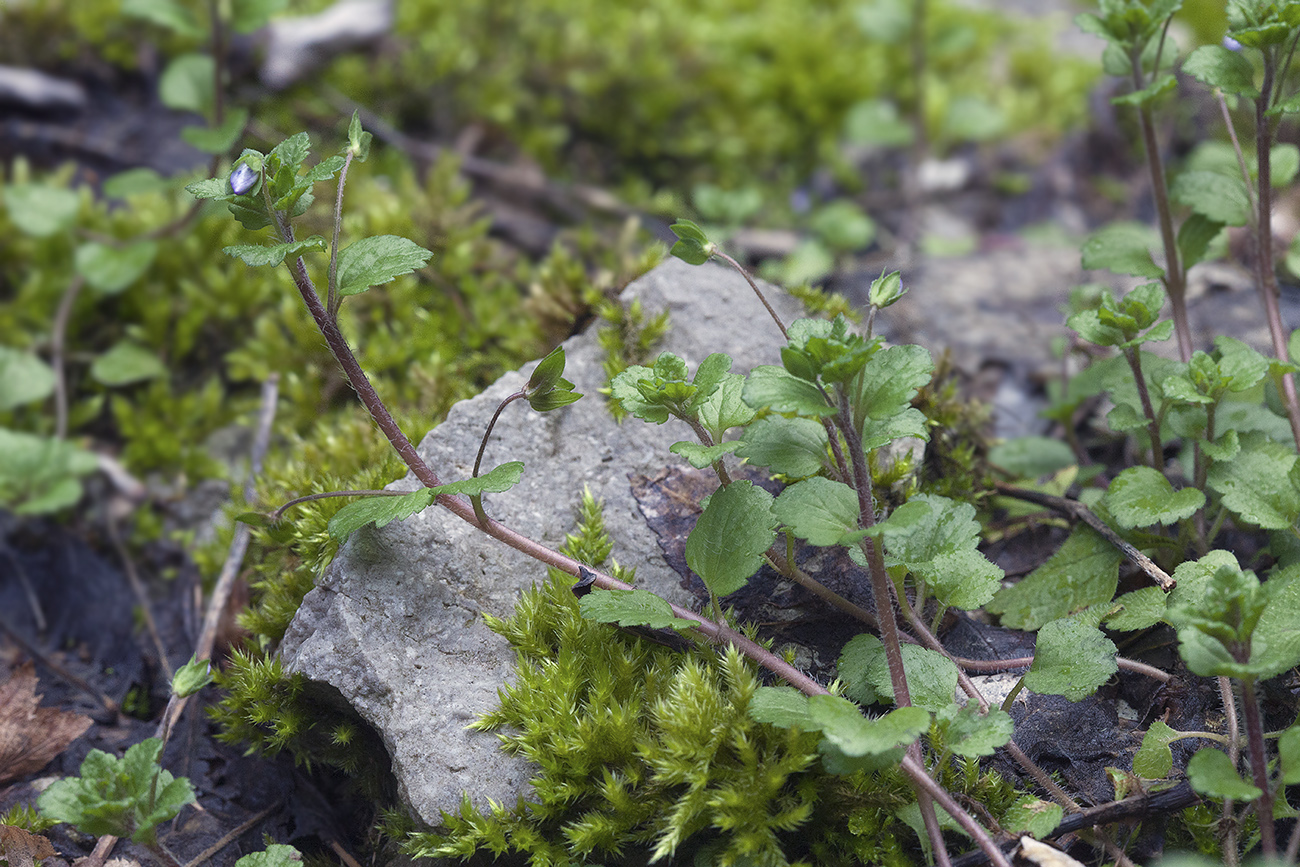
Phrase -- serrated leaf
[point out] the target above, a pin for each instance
(931, 677)
(1229, 71)
(1276, 645)
(379, 511)
(256, 255)
(1160, 86)
(727, 543)
(725, 407)
(1254, 485)
(795, 447)
(1154, 760)
(1211, 773)
(1141, 497)
(1032, 457)
(186, 83)
(700, 456)
(1083, 572)
(881, 394)
(1033, 816)
(781, 706)
(276, 855)
(1217, 197)
(1242, 364)
(25, 377)
(936, 538)
(290, 153)
(818, 509)
(376, 260)
(769, 386)
(126, 363)
(210, 188)
(1071, 659)
(967, 732)
(842, 723)
(1137, 609)
(38, 210)
(631, 608)
(1122, 248)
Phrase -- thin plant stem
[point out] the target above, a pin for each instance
(882, 589)
(1025, 661)
(1265, 274)
(1175, 279)
(786, 567)
(1227, 820)
(57, 337)
(1259, 767)
(324, 495)
(1144, 394)
(759, 292)
(332, 299)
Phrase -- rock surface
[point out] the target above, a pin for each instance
(395, 625)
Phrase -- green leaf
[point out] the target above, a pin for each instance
(256, 255)
(781, 706)
(1285, 162)
(1211, 773)
(249, 15)
(1137, 609)
(218, 139)
(1032, 457)
(290, 153)
(191, 677)
(818, 509)
(379, 511)
(1123, 248)
(548, 372)
(1215, 196)
(1034, 817)
(700, 456)
(931, 677)
(725, 408)
(881, 394)
(126, 363)
(1254, 485)
(967, 732)
(165, 13)
(1229, 71)
(1072, 659)
(1083, 572)
(25, 377)
(135, 182)
(694, 247)
(187, 83)
(376, 260)
(843, 226)
(877, 122)
(1141, 496)
(1160, 86)
(937, 538)
(843, 724)
(1288, 751)
(110, 269)
(39, 211)
(276, 855)
(1275, 647)
(39, 475)
(211, 188)
(794, 447)
(727, 543)
(1195, 236)
(1244, 366)
(358, 139)
(1154, 760)
(124, 797)
(631, 608)
(774, 387)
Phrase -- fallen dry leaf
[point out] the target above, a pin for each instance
(22, 848)
(31, 736)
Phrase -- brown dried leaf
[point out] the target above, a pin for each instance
(22, 848)
(31, 736)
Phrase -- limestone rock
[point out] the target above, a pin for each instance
(395, 625)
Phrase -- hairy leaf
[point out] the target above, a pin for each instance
(1154, 760)
(1141, 496)
(256, 255)
(726, 546)
(631, 608)
(1072, 659)
(795, 447)
(1084, 571)
(376, 260)
(818, 509)
(1211, 773)
(774, 387)
(1255, 485)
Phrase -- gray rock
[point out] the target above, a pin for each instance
(395, 624)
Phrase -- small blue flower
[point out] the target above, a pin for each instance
(1231, 44)
(242, 179)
